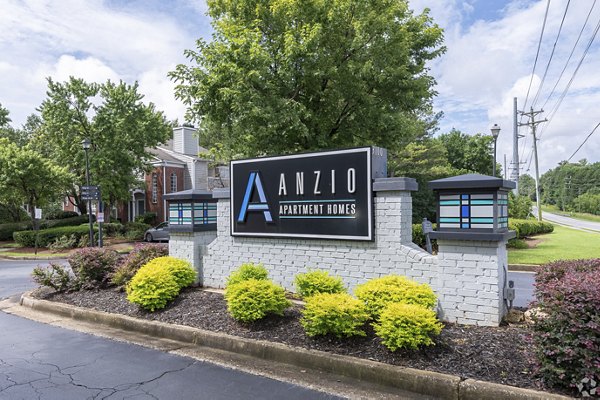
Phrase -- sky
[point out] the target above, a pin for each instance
(491, 50)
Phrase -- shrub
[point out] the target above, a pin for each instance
(529, 227)
(406, 326)
(247, 271)
(93, 266)
(112, 229)
(59, 214)
(517, 244)
(47, 236)
(54, 276)
(63, 242)
(317, 281)
(418, 237)
(182, 271)
(378, 293)
(253, 299)
(152, 288)
(567, 339)
(71, 221)
(136, 230)
(141, 254)
(7, 230)
(148, 218)
(338, 314)
(519, 206)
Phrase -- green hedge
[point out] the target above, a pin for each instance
(529, 227)
(7, 230)
(71, 221)
(47, 236)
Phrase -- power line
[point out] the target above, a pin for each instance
(570, 55)
(551, 54)
(538, 53)
(581, 145)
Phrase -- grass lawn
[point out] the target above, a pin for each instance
(41, 255)
(582, 216)
(562, 244)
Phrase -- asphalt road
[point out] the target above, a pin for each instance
(15, 276)
(572, 222)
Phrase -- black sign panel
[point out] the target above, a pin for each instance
(90, 193)
(326, 195)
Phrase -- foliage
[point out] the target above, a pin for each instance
(112, 229)
(11, 210)
(407, 326)
(47, 236)
(71, 221)
(377, 293)
(119, 125)
(286, 76)
(337, 314)
(136, 230)
(527, 186)
(567, 337)
(418, 237)
(562, 185)
(30, 177)
(60, 214)
(141, 254)
(7, 230)
(586, 203)
(519, 206)
(182, 271)
(253, 299)
(64, 242)
(529, 227)
(517, 244)
(152, 288)
(317, 281)
(469, 153)
(54, 276)
(93, 266)
(148, 218)
(247, 271)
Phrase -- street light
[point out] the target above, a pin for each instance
(86, 143)
(495, 132)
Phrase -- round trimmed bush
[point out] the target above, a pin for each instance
(378, 293)
(247, 271)
(338, 314)
(317, 281)
(181, 270)
(152, 288)
(254, 299)
(407, 326)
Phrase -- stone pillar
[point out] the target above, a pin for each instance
(471, 280)
(191, 246)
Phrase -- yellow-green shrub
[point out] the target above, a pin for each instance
(407, 326)
(152, 288)
(247, 271)
(181, 270)
(337, 314)
(378, 293)
(253, 299)
(159, 281)
(317, 281)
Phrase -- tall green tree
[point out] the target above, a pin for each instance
(30, 177)
(120, 126)
(282, 76)
(469, 153)
(527, 186)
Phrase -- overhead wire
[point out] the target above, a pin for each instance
(586, 139)
(539, 90)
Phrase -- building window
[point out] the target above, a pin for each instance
(154, 188)
(173, 182)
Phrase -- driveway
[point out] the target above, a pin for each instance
(568, 221)
(15, 275)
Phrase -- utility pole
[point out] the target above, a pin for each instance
(505, 176)
(533, 124)
(516, 165)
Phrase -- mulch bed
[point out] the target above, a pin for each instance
(501, 355)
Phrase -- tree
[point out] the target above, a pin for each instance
(121, 129)
(527, 186)
(425, 161)
(469, 153)
(4, 119)
(283, 76)
(29, 177)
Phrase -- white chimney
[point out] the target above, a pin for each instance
(185, 141)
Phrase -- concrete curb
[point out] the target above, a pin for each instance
(427, 383)
(523, 267)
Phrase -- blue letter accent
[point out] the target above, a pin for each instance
(254, 181)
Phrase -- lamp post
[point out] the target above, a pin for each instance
(495, 132)
(86, 143)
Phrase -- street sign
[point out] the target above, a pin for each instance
(100, 218)
(38, 213)
(90, 192)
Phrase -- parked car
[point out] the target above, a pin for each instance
(159, 233)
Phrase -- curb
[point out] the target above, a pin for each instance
(523, 267)
(427, 383)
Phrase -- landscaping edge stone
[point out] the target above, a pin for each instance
(427, 383)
